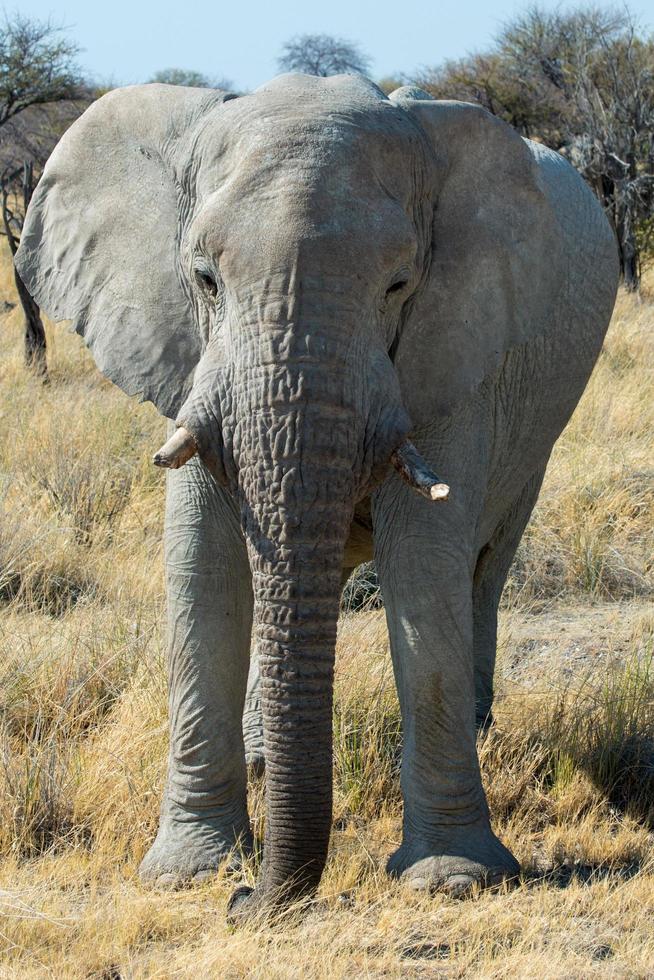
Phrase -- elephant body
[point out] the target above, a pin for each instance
(313, 272)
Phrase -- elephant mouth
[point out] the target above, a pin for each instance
(414, 470)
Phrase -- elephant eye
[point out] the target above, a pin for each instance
(206, 281)
(396, 287)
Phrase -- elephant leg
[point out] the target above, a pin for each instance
(253, 719)
(492, 568)
(204, 818)
(425, 566)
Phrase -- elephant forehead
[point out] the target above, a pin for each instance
(346, 144)
(303, 229)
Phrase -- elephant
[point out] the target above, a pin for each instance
(302, 279)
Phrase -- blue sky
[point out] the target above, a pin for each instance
(125, 42)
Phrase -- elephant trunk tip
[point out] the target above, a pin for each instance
(414, 470)
(177, 450)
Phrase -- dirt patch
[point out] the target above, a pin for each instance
(574, 639)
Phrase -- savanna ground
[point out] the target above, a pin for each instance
(569, 766)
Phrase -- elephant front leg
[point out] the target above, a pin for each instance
(252, 718)
(204, 819)
(426, 581)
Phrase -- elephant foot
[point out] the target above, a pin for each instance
(256, 905)
(456, 866)
(242, 906)
(189, 851)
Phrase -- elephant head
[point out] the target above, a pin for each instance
(261, 268)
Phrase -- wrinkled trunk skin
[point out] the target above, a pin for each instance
(295, 449)
(308, 419)
(296, 516)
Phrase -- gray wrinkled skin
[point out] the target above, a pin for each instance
(301, 277)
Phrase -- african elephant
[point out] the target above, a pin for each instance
(301, 278)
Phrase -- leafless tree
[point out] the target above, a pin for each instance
(35, 344)
(322, 54)
(37, 69)
(36, 65)
(583, 83)
(603, 67)
(613, 142)
(526, 100)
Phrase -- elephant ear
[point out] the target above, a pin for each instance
(496, 258)
(101, 242)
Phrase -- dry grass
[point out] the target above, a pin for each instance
(569, 768)
(592, 532)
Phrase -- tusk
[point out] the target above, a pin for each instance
(178, 450)
(411, 466)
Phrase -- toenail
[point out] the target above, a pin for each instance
(458, 885)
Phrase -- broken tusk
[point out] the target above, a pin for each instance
(411, 466)
(178, 450)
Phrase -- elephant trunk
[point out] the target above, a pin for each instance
(297, 512)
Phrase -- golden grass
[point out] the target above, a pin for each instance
(569, 768)
(592, 532)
